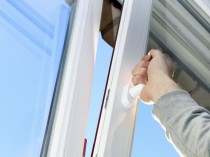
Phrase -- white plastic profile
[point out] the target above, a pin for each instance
(130, 95)
(116, 128)
(69, 125)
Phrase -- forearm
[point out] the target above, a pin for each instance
(164, 84)
(187, 124)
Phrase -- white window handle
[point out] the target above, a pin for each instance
(130, 95)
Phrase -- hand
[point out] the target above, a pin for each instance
(155, 72)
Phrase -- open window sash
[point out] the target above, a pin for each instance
(116, 128)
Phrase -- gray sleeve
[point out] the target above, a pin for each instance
(187, 125)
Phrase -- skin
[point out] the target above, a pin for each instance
(155, 72)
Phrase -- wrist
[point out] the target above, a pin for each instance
(165, 86)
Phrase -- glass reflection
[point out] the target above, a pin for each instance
(32, 39)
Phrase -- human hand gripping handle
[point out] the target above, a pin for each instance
(131, 93)
(155, 72)
(152, 78)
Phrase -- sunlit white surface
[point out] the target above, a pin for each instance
(69, 124)
(130, 46)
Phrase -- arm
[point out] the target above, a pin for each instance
(187, 125)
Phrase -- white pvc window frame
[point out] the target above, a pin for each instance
(116, 129)
(69, 125)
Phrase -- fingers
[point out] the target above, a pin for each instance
(155, 53)
(139, 71)
(139, 79)
(141, 68)
(142, 64)
(147, 58)
(154, 66)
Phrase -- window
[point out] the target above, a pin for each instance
(32, 41)
(179, 29)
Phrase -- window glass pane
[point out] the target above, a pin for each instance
(32, 40)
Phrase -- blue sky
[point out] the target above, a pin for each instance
(32, 41)
(149, 139)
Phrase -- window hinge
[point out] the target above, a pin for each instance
(107, 98)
